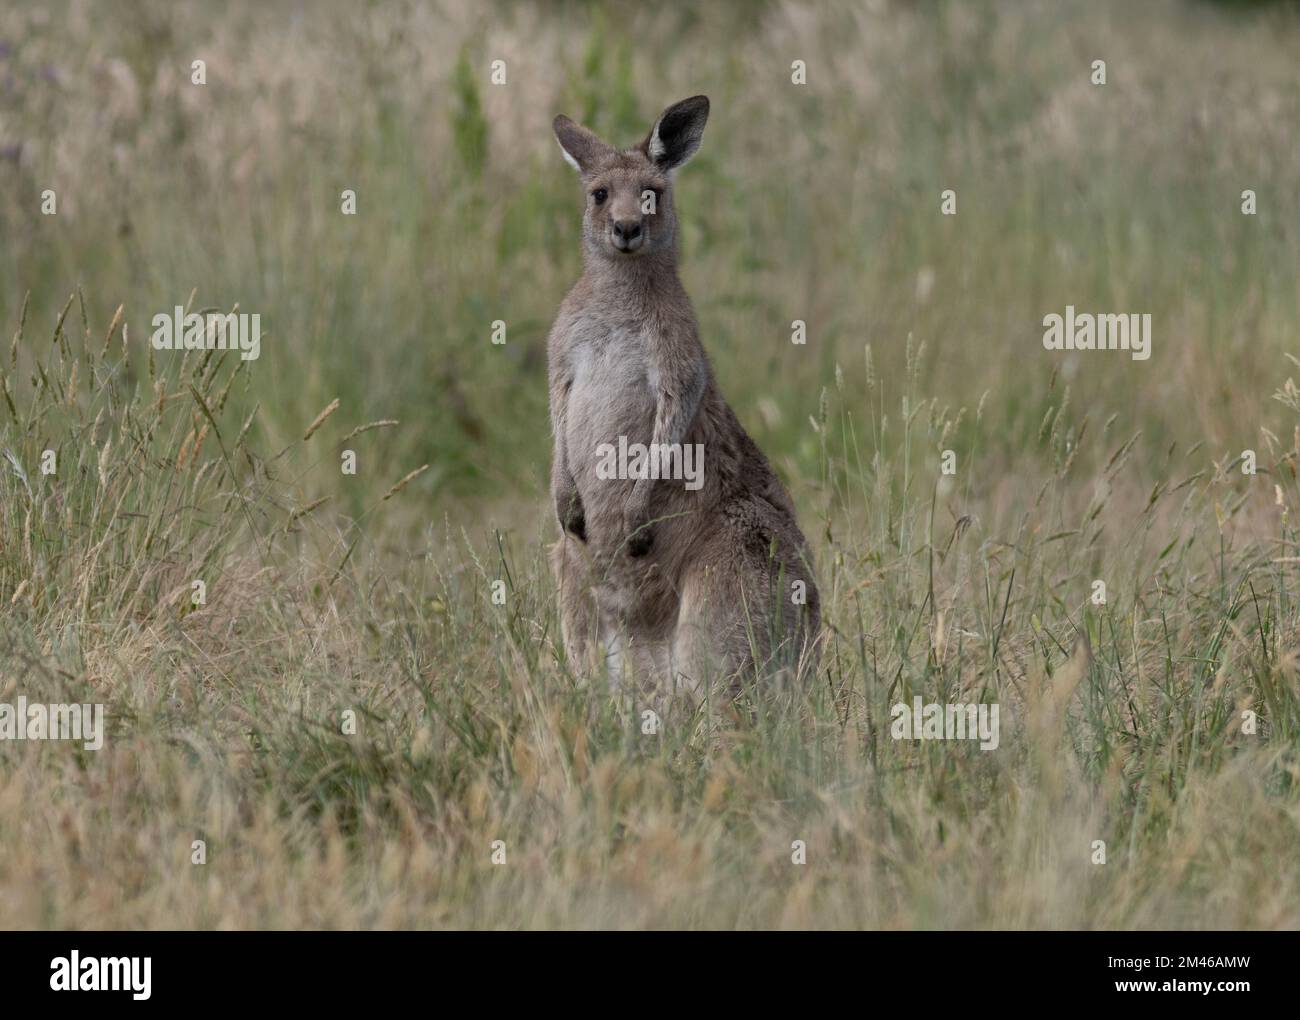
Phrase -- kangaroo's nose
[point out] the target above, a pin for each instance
(627, 230)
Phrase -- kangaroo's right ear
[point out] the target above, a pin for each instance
(582, 148)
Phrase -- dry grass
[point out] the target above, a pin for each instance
(329, 593)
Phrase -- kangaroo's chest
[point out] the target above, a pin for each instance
(613, 393)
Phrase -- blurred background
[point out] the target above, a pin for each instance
(816, 202)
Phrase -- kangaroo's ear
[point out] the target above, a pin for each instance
(582, 148)
(676, 135)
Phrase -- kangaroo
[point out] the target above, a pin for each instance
(679, 582)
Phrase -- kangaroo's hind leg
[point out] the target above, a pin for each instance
(708, 644)
(580, 624)
(749, 608)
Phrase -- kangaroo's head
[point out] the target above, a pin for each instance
(629, 206)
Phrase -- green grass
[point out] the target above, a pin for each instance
(1120, 722)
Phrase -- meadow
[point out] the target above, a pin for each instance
(348, 722)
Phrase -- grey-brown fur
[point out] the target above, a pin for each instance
(679, 585)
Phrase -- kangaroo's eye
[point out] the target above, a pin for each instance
(600, 194)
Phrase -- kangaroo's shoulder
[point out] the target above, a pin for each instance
(576, 302)
(573, 319)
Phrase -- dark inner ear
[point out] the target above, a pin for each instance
(680, 128)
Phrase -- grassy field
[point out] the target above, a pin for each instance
(329, 593)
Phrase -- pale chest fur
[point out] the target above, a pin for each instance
(612, 395)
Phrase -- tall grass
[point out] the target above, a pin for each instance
(332, 597)
(1122, 722)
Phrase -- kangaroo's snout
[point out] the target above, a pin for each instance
(627, 235)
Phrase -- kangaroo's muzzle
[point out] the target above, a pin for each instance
(627, 235)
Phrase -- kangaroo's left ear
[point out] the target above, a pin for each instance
(677, 133)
